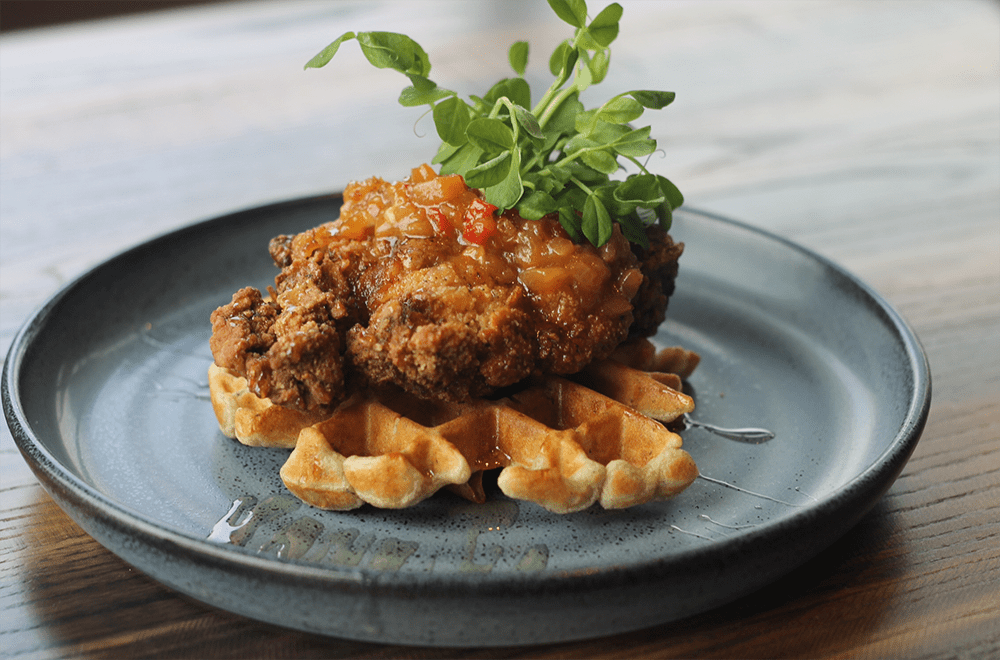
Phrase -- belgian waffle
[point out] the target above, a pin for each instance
(563, 444)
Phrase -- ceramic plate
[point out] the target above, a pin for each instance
(105, 391)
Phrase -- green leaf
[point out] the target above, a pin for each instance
(607, 134)
(505, 194)
(461, 160)
(573, 12)
(640, 190)
(323, 57)
(584, 122)
(489, 173)
(444, 152)
(573, 197)
(528, 122)
(620, 110)
(558, 156)
(652, 99)
(604, 28)
(673, 195)
(422, 92)
(518, 57)
(550, 180)
(490, 135)
(586, 41)
(606, 193)
(390, 50)
(633, 230)
(563, 120)
(599, 64)
(586, 174)
(570, 221)
(636, 149)
(635, 144)
(560, 175)
(584, 78)
(596, 225)
(601, 161)
(578, 142)
(665, 216)
(516, 90)
(536, 205)
(451, 117)
(562, 61)
(422, 83)
(665, 211)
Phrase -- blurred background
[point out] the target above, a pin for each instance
(26, 14)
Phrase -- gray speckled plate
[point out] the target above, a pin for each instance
(106, 394)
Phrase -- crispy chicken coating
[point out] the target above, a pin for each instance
(658, 264)
(396, 292)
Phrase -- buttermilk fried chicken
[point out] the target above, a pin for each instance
(289, 346)
(658, 264)
(419, 285)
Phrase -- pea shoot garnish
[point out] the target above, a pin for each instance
(551, 157)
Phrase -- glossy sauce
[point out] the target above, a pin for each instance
(489, 247)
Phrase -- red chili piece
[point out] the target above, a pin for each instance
(479, 223)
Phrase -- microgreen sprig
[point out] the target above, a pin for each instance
(553, 157)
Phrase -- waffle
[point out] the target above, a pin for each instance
(563, 444)
(253, 420)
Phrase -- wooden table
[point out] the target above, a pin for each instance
(869, 132)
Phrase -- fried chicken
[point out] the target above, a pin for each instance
(658, 264)
(290, 345)
(395, 292)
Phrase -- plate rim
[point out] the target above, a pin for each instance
(858, 495)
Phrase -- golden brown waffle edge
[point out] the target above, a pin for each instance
(561, 444)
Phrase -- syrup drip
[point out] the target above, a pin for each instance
(716, 522)
(684, 531)
(744, 490)
(753, 436)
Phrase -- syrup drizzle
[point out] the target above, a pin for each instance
(748, 492)
(684, 531)
(750, 435)
(716, 522)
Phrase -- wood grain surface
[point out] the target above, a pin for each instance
(869, 132)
